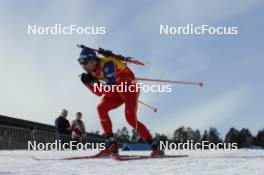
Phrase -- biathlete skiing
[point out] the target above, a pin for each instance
(108, 69)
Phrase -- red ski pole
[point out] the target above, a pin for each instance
(169, 81)
(153, 108)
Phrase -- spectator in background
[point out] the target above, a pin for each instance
(62, 125)
(78, 128)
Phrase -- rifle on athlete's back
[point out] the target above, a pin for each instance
(108, 53)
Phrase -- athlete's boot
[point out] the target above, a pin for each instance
(111, 148)
(156, 151)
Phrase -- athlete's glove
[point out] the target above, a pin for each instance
(104, 52)
(87, 78)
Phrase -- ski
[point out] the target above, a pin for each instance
(117, 157)
(140, 157)
(67, 158)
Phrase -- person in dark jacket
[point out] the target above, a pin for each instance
(62, 125)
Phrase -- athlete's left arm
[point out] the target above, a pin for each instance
(110, 72)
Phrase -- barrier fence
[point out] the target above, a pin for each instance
(12, 137)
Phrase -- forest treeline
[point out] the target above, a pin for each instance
(243, 137)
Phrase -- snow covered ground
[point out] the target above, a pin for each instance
(240, 162)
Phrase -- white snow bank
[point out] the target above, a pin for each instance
(240, 162)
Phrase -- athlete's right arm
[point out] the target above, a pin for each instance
(89, 81)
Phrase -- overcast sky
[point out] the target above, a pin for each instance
(39, 74)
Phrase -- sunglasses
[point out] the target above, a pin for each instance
(85, 61)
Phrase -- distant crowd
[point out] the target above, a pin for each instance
(76, 128)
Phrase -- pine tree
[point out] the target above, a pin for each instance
(180, 135)
(197, 136)
(123, 135)
(213, 136)
(190, 133)
(205, 136)
(161, 137)
(135, 137)
(245, 138)
(232, 136)
(260, 138)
